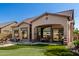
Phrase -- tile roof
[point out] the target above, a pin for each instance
(28, 20)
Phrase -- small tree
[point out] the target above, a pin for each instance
(76, 32)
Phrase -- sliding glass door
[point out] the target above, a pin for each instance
(57, 34)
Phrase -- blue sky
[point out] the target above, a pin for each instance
(18, 12)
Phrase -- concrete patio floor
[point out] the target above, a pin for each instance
(9, 43)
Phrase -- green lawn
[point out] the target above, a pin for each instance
(33, 50)
(23, 50)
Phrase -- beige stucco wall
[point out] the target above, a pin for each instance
(8, 28)
(71, 26)
(71, 31)
(52, 19)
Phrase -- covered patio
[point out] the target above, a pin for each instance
(49, 33)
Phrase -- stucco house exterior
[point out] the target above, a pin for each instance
(49, 27)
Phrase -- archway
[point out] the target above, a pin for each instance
(49, 33)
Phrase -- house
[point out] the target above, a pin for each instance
(49, 27)
(5, 28)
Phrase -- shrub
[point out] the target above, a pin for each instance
(58, 51)
(76, 42)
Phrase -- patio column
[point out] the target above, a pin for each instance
(20, 33)
(51, 34)
(69, 32)
(12, 34)
(30, 33)
(42, 32)
(33, 33)
(66, 33)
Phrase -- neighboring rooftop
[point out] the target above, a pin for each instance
(6, 23)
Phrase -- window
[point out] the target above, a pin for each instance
(16, 33)
(24, 32)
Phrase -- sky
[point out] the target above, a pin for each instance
(20, 11)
